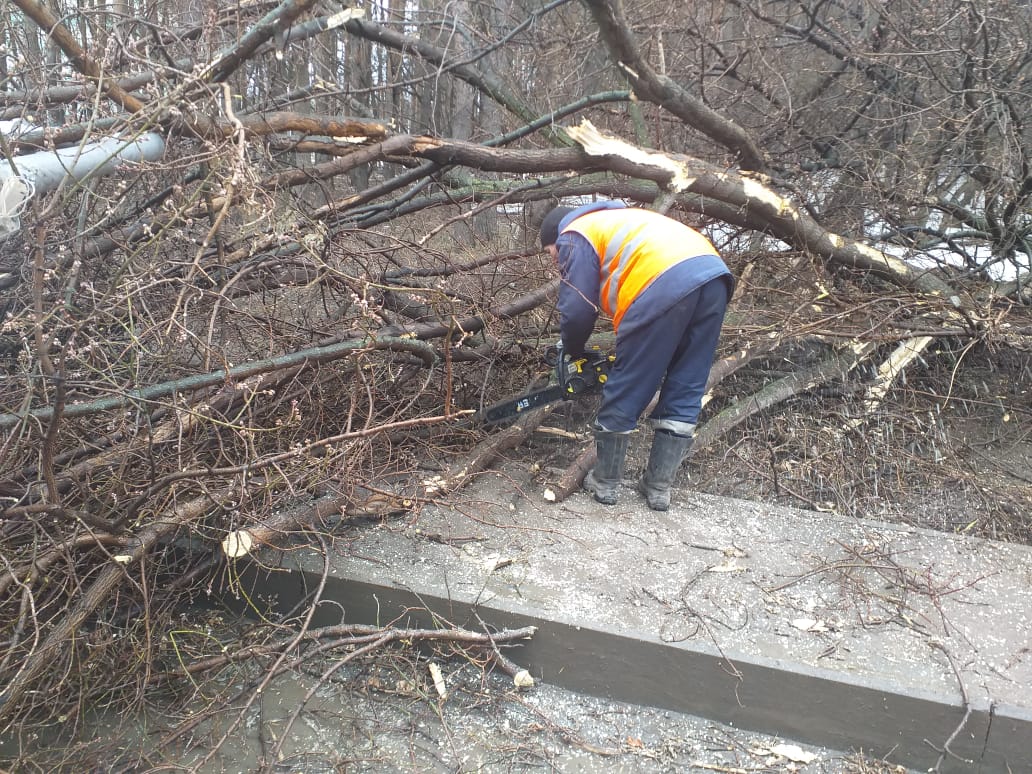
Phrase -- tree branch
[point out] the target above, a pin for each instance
(79, 59)
(277, 20)
(657, 88)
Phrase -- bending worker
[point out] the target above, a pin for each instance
(666, 290)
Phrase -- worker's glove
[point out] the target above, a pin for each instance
(574, 355)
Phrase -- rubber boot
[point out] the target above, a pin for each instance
(665, 458)
(603, 480)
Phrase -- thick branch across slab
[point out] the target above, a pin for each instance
(401, 338)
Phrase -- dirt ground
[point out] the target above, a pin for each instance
(488, 726)
(386, 716)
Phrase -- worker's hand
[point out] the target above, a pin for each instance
(554, 354)
(571, 354)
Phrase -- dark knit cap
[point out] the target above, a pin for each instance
(550, 225)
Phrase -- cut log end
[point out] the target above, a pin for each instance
(238, 543)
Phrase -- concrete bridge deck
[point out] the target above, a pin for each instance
(843, 633)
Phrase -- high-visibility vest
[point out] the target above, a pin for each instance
(634, 248)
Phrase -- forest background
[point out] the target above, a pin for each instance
(262, 263)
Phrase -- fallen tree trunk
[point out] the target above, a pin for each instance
(834, 366)
(486, 452)
(236, 373)
(572, 478)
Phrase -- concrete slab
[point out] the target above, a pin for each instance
(849, 634)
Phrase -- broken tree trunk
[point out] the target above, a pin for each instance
(834, 366)
(486, 452)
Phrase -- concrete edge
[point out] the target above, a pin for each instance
(769, 696)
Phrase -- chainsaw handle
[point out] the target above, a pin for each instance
(555, 354)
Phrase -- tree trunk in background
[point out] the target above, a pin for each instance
(359, 82)
(397, 99)
(486, 115)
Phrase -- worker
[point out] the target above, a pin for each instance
(666, 290)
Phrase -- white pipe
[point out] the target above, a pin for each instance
(42, 172)
(45, 170)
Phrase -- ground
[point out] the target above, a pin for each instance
(959, 465)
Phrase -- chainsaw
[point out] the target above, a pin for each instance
(573, 377)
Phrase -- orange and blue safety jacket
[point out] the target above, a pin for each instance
(629, 263)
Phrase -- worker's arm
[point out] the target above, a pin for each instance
(578, 291)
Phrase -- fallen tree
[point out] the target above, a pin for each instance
(284, 323)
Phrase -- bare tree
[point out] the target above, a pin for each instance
(264, 328)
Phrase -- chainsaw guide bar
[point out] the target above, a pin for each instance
(573, 377)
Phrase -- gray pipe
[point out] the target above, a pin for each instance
(45, 170)
(41, 172)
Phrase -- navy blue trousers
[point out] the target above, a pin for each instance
(672, 354)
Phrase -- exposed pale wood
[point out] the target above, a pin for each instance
(904, 354)
(572, 478)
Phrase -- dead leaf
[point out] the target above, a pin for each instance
(793, 752)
